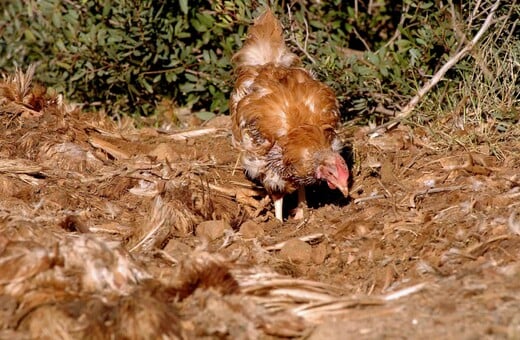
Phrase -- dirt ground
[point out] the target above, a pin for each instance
(112, 232)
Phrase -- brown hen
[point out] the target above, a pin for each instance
(284, 119)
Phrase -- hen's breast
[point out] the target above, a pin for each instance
(267, 103)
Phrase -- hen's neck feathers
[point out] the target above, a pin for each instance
(265, 44)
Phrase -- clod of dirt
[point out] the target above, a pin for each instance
(387, 173)
(212, 230)
(222, 122)
(319, 253)
(177, 249)
(297, 251)
(165, 151)
(251, 229)
(330, 330)
(148, 131)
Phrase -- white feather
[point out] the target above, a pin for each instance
(274, 181)
(337, 145)
(253, 166)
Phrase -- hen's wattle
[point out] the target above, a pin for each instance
(283, 119)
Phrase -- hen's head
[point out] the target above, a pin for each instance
(311, 153)
(333, 169)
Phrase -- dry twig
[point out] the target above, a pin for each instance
(432, 191)
(194, 133)
(295, 40)
(368, 198)
(308, 238)
(407, 110)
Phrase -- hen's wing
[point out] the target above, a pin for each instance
(269, 101)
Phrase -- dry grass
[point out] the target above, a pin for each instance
(482, 111)
(97, 224)
(85, 206)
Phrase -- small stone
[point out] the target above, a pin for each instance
(177, 249)
(251, 229)
(297, 251)
(212, 230)
(319, 253)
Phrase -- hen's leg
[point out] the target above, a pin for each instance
(302, 201)
(278, 207)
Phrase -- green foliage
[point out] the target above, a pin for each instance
(127, 56)
(402, 46)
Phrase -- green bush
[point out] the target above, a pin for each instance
(123, 55)
(127, 56)
(403, 46)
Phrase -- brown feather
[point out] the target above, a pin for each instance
(265, 44)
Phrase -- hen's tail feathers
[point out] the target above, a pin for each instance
(265, 44)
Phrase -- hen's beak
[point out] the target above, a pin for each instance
(334, 170)
(337, 183)
(341, 187)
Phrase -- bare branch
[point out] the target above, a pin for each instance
(295, 40)
(449, 64)
(397, 32)
(407, 110)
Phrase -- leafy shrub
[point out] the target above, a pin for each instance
(126, 55)
(129, 56)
